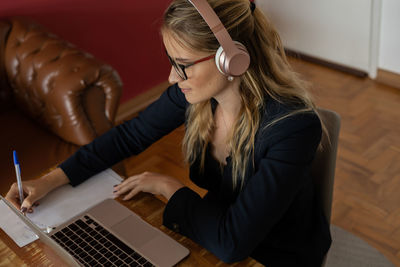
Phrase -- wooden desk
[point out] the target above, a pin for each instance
(147, 206)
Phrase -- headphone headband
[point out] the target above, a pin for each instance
(230, 48)
(215, 25)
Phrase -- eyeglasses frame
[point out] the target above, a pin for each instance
(180, 68)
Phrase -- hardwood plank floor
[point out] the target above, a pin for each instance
(367, 182)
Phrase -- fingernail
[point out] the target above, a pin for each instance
(23, 210)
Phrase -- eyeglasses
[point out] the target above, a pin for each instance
(180, 69)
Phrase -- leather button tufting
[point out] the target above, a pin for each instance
(53, 82)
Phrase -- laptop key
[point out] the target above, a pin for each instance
(79, 232)
(66, 231)
(80, 223)
(91, 252)
(73, 236)
(86, 247)
(97, 236)
(128, 260)
(99, 228)
(73, 227)
(59, 235)
(103, 231)
(102, 260)
(73, 247)
(134, 264)
(83, 254)
(97, 255)
(142, 260)
(135, 255)
(118, 263)
(88, 258)
(84, 235)
(91, 232)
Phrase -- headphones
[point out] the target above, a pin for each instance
(232, 58)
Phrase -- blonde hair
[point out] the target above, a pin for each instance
(269, 75)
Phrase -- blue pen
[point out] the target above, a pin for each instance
(18, 173)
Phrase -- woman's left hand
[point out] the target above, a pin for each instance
(150, 182)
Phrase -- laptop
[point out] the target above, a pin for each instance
(109, 234)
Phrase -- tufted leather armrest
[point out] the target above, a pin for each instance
(66, 90)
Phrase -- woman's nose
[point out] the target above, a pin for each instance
(173, 76)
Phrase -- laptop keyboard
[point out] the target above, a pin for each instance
(92, 245)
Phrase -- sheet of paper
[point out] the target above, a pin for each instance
(15, 227)
(65, 202)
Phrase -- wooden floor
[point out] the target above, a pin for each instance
(366, 197)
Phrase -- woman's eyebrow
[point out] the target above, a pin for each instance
(183, 60)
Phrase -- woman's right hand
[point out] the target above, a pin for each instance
(36, 189)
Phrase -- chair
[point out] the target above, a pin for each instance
(323, 166)
(347, 249)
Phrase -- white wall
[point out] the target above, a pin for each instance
(338, 31)
(341, 31)
(389, 46)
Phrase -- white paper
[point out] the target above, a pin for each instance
(59, 206)
(65, 202)
(15, 227)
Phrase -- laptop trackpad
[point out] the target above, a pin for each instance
(134, 231)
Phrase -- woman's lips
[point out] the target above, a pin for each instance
(185, 90)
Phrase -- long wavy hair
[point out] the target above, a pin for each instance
(269, 75)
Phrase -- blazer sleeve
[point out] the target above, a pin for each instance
(129, 138)
(233, 232)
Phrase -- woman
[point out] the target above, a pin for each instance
(249, 140)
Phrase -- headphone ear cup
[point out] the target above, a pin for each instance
(220, 59)
(235, 64)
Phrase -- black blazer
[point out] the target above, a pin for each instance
(274, 218)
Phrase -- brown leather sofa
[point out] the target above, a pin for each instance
(53, 99)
